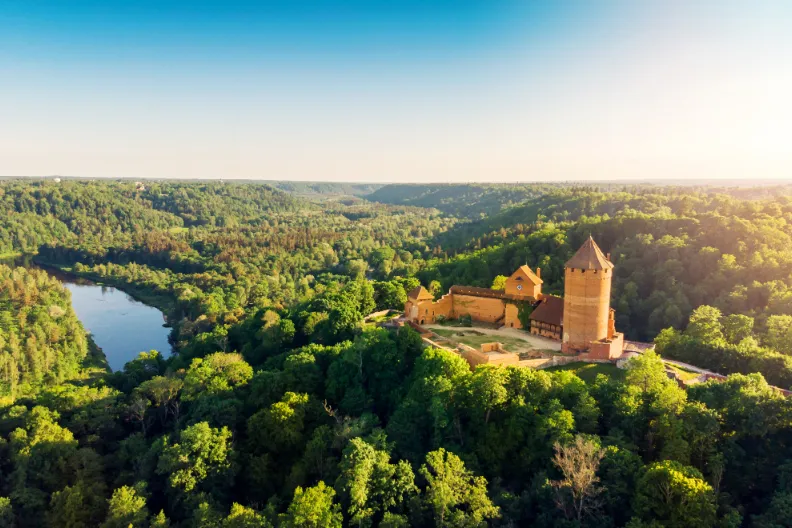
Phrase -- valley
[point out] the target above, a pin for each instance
(272, 394)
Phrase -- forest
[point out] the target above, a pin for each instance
(282, 406)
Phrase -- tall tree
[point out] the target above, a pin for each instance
(126, 509)
(369, 484)
(675, 496)
(202, 457)
(578, 491)
(312, 508)
(454, 495)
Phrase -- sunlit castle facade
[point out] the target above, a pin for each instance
(481, 304)
(582, 320)
(589, 324)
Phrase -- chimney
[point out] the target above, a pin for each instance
(539, 272)
(607, 256)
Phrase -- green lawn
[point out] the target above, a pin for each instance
(685, 375)
(383, 318)
(588, 371)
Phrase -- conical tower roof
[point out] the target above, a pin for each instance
(589, 257)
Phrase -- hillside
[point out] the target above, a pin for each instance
(42, 343)
(319, 188)
(281, 404)
(463, 200)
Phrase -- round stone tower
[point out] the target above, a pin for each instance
(587, 288)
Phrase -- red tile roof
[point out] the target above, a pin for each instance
(477, 292)
(550, 311)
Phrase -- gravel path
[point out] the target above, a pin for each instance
(688, 366)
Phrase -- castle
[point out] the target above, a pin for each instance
(582, 320)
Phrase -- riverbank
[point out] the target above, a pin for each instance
(95, 364)
(122, 319)
(161, 302)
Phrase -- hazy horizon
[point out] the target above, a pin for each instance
(414, 92)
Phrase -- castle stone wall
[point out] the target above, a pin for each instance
(479, 308)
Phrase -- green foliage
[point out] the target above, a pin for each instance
(499, 282)
(675, 496)
(705, 324)
(159, 521)
(280, 428)
(41, 340)
(702, 344)
(779, 333)
(215, 374)
(370, 485)
(778, 515)
(244, 517)
(736, 327)
(454, 495)
(202, 456)
(127, 509)
(389, 295)
(524, 311)
(465, 320)
(312, 508)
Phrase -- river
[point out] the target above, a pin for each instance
(120, 325)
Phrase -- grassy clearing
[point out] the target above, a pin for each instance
(684, 374)
(453, 323)
(588, 372)
(383, 318)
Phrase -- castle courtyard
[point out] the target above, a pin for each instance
(513, 340)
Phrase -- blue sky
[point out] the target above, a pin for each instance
(396, 91)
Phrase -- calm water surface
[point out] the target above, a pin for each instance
(121, 326)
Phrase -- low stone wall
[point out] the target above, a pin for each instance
(557, 361)
(537, 363)
(475, 358)
(420, 329)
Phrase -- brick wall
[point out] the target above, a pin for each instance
(479, 308)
